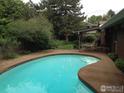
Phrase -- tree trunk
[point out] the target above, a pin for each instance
(66, 37)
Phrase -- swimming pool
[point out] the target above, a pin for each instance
(50, 74)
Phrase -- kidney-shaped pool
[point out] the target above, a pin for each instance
(50, 74)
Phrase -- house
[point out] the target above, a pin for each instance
(112, 34)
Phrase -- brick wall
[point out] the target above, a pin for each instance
(120, 43)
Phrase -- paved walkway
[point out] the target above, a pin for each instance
(102, 74)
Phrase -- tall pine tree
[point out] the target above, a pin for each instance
(65, 15)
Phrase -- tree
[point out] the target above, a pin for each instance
(29, 12)
(11, 9)
(65, 15)
(95, 19)
(109, 14)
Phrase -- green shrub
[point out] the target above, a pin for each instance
(112, 56)
(25, 52)
(34, 34)
(88, 39)
(8, 47)
(76, 44)
(120, 64)
(56, 43)
(9, 55)
(59, 44)
(66, 46)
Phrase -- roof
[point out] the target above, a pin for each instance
(86, 30)
(117, 19)
(90, 24)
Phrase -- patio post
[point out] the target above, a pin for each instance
(79, 40)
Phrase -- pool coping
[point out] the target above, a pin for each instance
(48, 53)
(84, 73)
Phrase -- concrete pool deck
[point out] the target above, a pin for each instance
(99, 75)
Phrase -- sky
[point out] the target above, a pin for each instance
(97, 7)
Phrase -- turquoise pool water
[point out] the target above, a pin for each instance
(51, 74)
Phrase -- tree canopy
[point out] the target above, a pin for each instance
(65, 15)
(11, 9)
(95, 19)
(108, 15)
